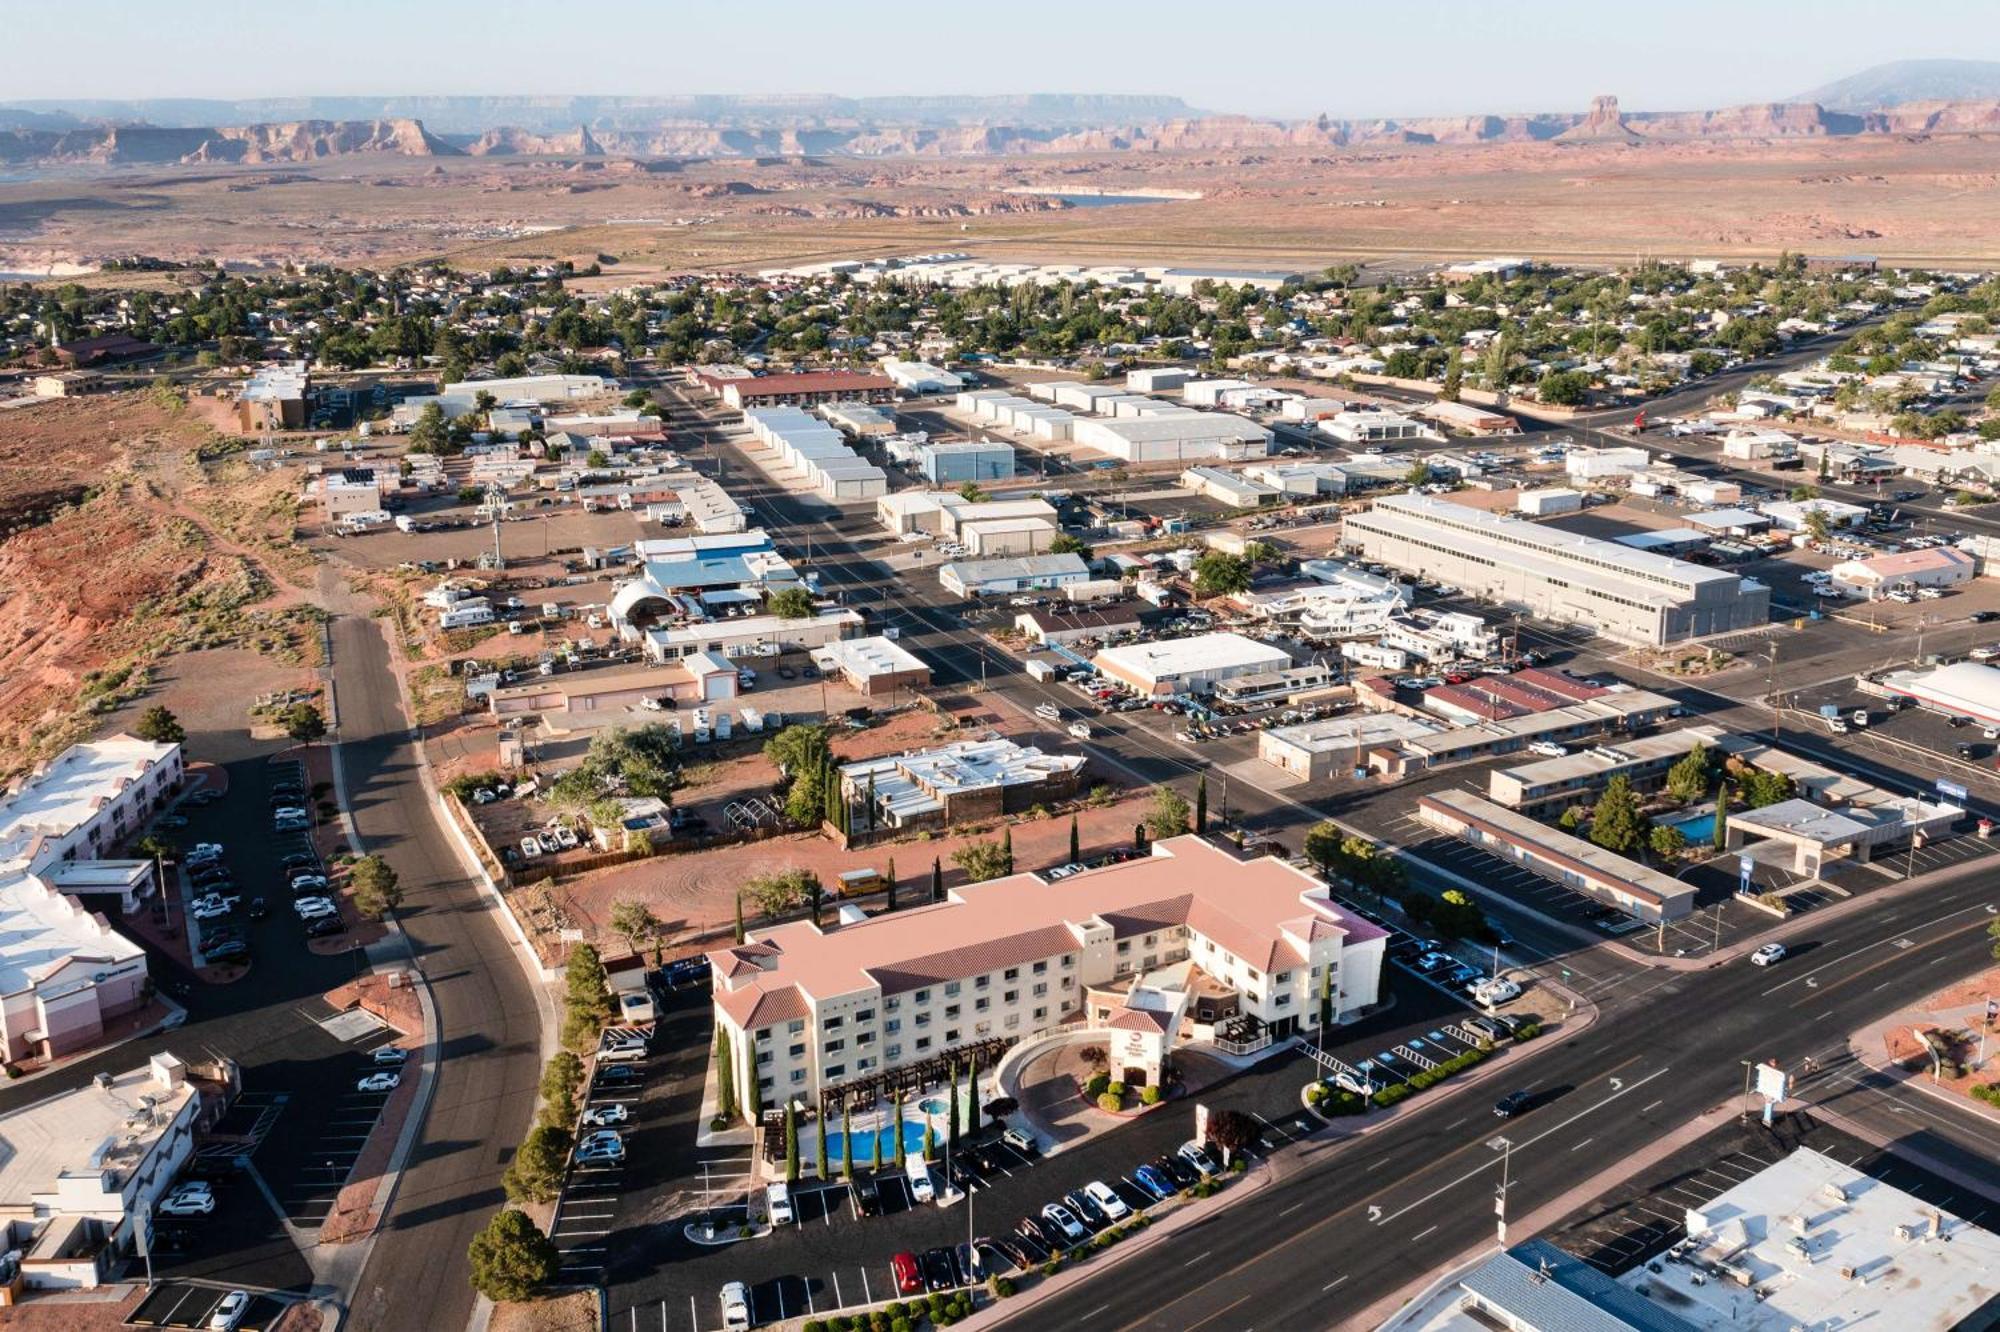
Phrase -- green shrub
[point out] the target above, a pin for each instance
(896, 1309)
(1149, 1095)
(1386, 1096)
(1111, 1101)
(1204, 1189)
(1528, 1031)
(1116, 1089)
(813, 1325)
(1988, 1092)
(1098, 1085)
(900, 1325)
(1053, 1265)
(1239, 1165)
(1002, 1287)
(1317, 1094)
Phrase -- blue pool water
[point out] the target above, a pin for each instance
(932, 1105)
(1696, 827)
(864, 1143)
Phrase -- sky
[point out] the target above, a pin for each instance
(1340, 57)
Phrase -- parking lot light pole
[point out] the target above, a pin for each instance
(1505, 1147)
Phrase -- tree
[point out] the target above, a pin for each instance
(303, 723)
(791, 1143)
(739, 915)
(877, 1136)
(1075, 842)
(1218, 573)
(540, 1162)
(1817, 526)
(1325, 999)
(428, 435)
(1454, 377)
(971, 493)
(801, 751)
(981, 860)
(512, 1259)
(635, 921)
(1065, 544)
(1201, 803)
(587, 998)
(930, 1139)
(1007, 847)
(1418, 475)
(1666, 841)
(937, 880)
(562, 1078)
(1563, 388)
(377, 891)
(824, 1172)
(1322, 844)
(1614, 823)
(971, 1108)
(791, 603)
(1720, 836)
(1232, 1131)
(1993, 933)
(1169, 815)
(782, 891)
(1688, 779)
(753, 1099)
(846, 1143)
(1760, 788)
(160, 726)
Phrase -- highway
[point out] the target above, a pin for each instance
(489, 1031)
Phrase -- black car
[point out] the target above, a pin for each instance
(965, 1265)
(1085, 1210)
(986, 1159)
(321, 927)
(867, 1195)
(1180, 1172)
(229, 950)
(961, 1176)
(940, 1272)
(1982, 616)
(1008, 1247)
(208, 874)
(1513, 1103)
(256, 909)
(299, 860)
(1030, 1241)
(619, 1075)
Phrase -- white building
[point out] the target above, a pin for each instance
(811, 1008)
(1352, 427)
(920, 376)
(1633, 596)
(1938, 566)
(1790, 515)
(1175, 437)
(81, 1169)
(1588, 464)
(980, 578)
(1192, 665)
(1231, 488)
(1548, 500)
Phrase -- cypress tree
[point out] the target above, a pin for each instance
(930, 1139)
(1201, 804)
(817, 895)
(791, 1144)
(846, 1143)
(739, 917)
(824, 1172)
(725, 1076)
(753, 1100)
(1721, 833)
(878, 1146)
(1075, 842)
(892, 883)
(1007, 847)
(937, 879)
(1325, 1000)
(870, 811)
(972, 1097)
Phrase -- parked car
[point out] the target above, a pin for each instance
(1182, 1174)
(209, 908)
(619, 1075)
(603, 1116)
(1064, 1224)
(940, 1273)
(320, 927)
(229, 1313)
(190, 1204)
(1084, 1210)
(867, 1195)
(1107, 1199)
(314, 908)
(379, 1082)
(735, 1306)
(903, 1266)
(1021, 1142)
(1198, 1158)
(257, 909)
(1154, 1182)
(530, 848)
(1029, 1243)
(778, 1203)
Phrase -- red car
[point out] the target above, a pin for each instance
(909, 1277)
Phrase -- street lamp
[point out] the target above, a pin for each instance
(1505, 1147)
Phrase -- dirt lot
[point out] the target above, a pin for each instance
(122, 550)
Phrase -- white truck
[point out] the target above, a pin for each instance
(919, 1175)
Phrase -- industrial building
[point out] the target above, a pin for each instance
(1193, 665)
(859, 419)
(1235, 490)
(1320, 750)
(874, 666)
(1645, 894)
(1628, 595)
(1157, 379)
(1352, 427)
(1127, 948)
(1175, 437)
(983, 578)
(801, 444)
(1473, 420)
(808, 389)
(964, 782)
(920, 376)
(583, 700)
(751, 636)
(954, 463)
(1548, 501)
(1062, 625)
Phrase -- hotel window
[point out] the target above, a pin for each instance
(864, 1015)
(796, 1052)
(835, 1047)
(766, 1084)
(797, 1026)
(892, 1003)
(923, 1019)
(763, 1056)
(1150, 961)
(864, 1038)
(1042, 988)
(950, 988)
(892, 1026)
(922, 996)
(923, 1043)
(1283, 978)
(1069, 982)
(1069, 962)
(1011, 973)
(836, 1070)
(1011, 997)
(1124, 946)
(1013, 1020)
(1041, 1013)
(950, 1012)
(1284, 1000)
(1041, 969)
(893, 1053)
(798, 1075)
(863, 1065)
(980, 1005)
(982, 982)
(833, 1024)
(763, 1034)
(951, 1037)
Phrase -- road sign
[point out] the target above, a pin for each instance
(1200, 1122)
(1773, 1083)
(1744, 868)
(1950, 790)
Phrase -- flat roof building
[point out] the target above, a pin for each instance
(808, 389)
(752, 636)
(812, 1009)
(1231, 488)
(1178, 437)
(951, 464)
(1549, 785)
(1625, 594)
(873, 666)
(958, 783)
(1644, 893)
(1193, 665)
(1320, 750)
(980, 578)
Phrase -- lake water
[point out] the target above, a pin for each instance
(1110, 200)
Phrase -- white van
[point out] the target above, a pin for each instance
(919, 1175)
(778, 1203)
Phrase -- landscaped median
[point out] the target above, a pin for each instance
(1331, 1101)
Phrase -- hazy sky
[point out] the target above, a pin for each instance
(1402, 57)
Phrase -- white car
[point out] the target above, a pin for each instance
(566, 838)
(1768, 954)
(603, 1116)
(735, 1307)
(208, 908)
(1107, 1199)
(305, 883)
(1547, 749)
(1197, 1156)
(190, 1204)
(1497, 991)
(230, 1312)
(530, 848)
(379, 1082)
(389, 1056)
(312, 908)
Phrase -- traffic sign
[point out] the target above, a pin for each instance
(1950, 790)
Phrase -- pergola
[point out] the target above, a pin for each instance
(924, 1073)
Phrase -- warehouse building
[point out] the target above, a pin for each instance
(1157, 952)
(1055, 626)
(1471, 419)
(1158, 379)
(1000, 537)
(1968, 689)
(1628, 595)
(1643, 893)
(1238, 492)
(873, 666)
(1175, 437)
(801, 444)
(955, 463)
(984, 578)
(1318, 751)
(809, 389)
(1351, 427)
(751, 636)
(921, 377)
(1193, 665)
(585, 700)
(859, 419)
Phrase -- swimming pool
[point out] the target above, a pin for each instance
(1695, 827)
(932, 1105)
(864, 1143)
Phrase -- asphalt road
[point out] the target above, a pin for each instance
(489, 1030)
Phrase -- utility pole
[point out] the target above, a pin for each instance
(1505, 1147)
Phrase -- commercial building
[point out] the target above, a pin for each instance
(274, 398)
(1584, 463)
(1547, 501)
(1175, 437)
(1629, 595)
(920, 376)
(1001, 537)
(1352, 427)
(751, 636)
(859, 419)
(1292, 682)
(965, 460)
(1157, 379)
(667, 580)
(81, 1170)
(1547, 786)
(985, 578)
(957, 783)
(64, 970)
(583, 700)
(873, 666)
(807, 390)
(1936, 566)
(1645, 894)
(1354, 605)
(1616, 712)
(462, 399)
(347, 491)
(1472, 419)
(1795, 515)
(1061, 626)
(1967, 689)
(813, 1011)
(1193, 665)
(1231, 488)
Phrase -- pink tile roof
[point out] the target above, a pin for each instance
(1243, 906)
(1904, 562)
(1575, 691)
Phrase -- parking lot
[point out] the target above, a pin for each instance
(186, 1304)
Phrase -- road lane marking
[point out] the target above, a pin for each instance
(1331, 1284)
(1421, 1233)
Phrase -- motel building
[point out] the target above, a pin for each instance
(1188, 946)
